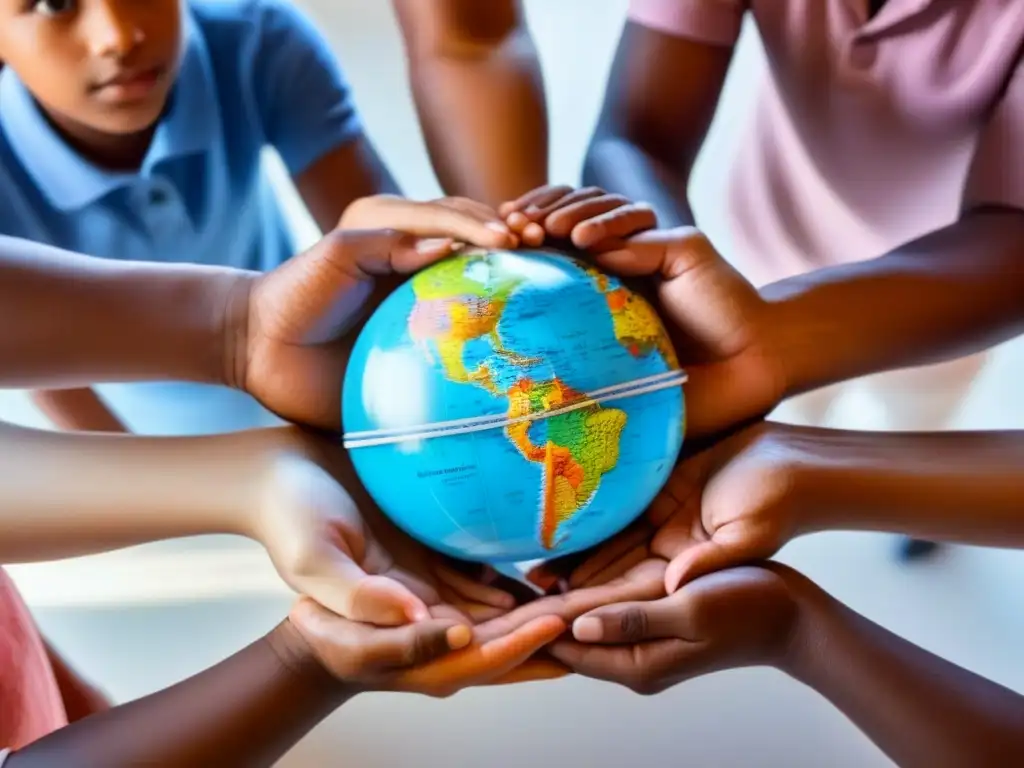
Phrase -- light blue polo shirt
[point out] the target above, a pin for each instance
(254, 74)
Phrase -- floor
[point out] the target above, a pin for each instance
(145, 618)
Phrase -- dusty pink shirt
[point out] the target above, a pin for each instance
(30, 700)
(867, 133)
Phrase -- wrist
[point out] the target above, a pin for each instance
(300, 663)
(841, 478)
(805, 645)
(251, 478)
(235, 323)
(178, 316)
(781, 342)
(804, 463)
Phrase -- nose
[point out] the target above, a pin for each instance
(112, 28)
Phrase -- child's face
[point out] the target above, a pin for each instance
(103, 65)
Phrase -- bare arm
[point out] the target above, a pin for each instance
(957, 290)
(962, 486)
(246, 711)
(73, 320)
(662, 95)
(953, 292)
(67, 495)
(923, 711)
(79, 409)
(479, 93)
(340, 177)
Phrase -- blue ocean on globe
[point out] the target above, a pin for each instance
(510, 406)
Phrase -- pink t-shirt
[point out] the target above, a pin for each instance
(867, 133)
(30, 701)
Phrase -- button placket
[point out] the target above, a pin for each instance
(163, 211)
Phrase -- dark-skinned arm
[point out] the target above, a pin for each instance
(111, 314)
(953, 292)
(479, 93)
(959, 486)
(921, 710)
(246, 711)
(661, 98)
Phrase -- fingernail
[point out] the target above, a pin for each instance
(498, 226)
(588, 629)
(459, 636)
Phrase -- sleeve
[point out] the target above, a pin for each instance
(303, 99)
(996, 174)
(3, 756)
(717, 22)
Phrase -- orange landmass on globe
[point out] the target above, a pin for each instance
(637, 326)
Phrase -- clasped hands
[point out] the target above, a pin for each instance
(659, 604)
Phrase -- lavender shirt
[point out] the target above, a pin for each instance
(868, 133)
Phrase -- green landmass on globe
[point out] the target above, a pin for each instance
(453, 308)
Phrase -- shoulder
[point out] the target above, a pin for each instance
(252, 29)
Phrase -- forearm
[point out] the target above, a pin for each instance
(953, 292)
(77, 410)
(63, 495)
(71, 320)
(616, 163)
(961, 486)
(484, 117)
(246, 711)
(918, 708)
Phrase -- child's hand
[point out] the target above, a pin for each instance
(645, 581)
(588, 217)
(736, 618)
(731, 504)
(452, 221)
(436, 657)
(312, 515)
(288, 333)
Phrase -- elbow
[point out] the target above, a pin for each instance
(605, 152)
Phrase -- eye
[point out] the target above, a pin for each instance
(54, 7)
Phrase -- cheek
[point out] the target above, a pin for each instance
(52, 73)
(164, 25)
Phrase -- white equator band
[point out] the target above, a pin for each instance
(642, 386)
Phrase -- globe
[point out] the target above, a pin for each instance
(511, 406)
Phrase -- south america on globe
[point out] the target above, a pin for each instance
(506, 406)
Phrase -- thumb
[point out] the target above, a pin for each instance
(415, 644)
(629, 622)
(384, 602)
(704, 558)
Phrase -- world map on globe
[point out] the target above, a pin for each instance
(513, 405)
